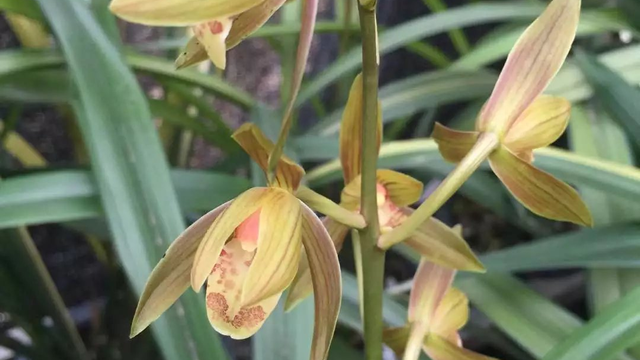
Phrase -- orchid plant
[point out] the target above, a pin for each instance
(251, 249)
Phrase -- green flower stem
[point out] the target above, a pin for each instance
(486, 144)
(371, 274)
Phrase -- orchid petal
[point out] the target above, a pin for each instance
(539, 191)
(193, 53)
(453, 144)
(258, 146)
(251, 20)
(438, 243)
(212, 35)
(540, 124)
(532, 63)
(178, 12)
(224, 291)
(327, 281)
(403, 190)
(279, 247)
(440, 349)
(325, 206)
(396, 338)
(221, 230)
(451, 315)
(351, 132)
(302, 286)
(170, 278)
(430, 284)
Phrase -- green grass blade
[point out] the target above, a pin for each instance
(131, 171)
(72, 195)
(496, 46)
(619, 98)
(536, 323)
(28, 8)
(606, 335)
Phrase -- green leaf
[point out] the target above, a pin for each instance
(606, 335)
(413, 30)
(534, 322)
(619, 98)
(494, 47)
(131, 171)
(615, 179)
(16, 61)
(72, 195)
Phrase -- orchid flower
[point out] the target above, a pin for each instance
(436, 312)
(395, 192)
(218, 25)
(514, 121)
(247, 251)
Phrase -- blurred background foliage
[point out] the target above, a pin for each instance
(107, 153)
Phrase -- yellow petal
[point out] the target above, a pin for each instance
(302, 286)
(532, 63)
(251, 20)
(193, 53)
(325, 206)
(258, 146)
(178, 12)
(438, 243)
(451, 315)
(224, 290)
(440, 349)
(402, 189)
(279, 247)
(538, 191)
(351, 132)
(540, 124)
(327, 282)
(396, 338)
(221, 230)
(212, 35)
(170, 278)
(453, 144)
(430, 283)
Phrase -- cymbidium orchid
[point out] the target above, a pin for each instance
(218, 25)
(247, 251)
(514, 121)
(436, 312)
(395, 192)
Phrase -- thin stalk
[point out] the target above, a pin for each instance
(486, 144)
(371, 276)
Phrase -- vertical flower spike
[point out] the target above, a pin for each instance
(170, 278)
(327, 282)
(532, 63)
(213, 35)
(178, 12)
(258, 146)
(351, 130)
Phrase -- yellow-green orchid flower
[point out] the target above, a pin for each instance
(218, 25)
(514, 121)
(395, 192)
(247, 251)
(436, 312)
